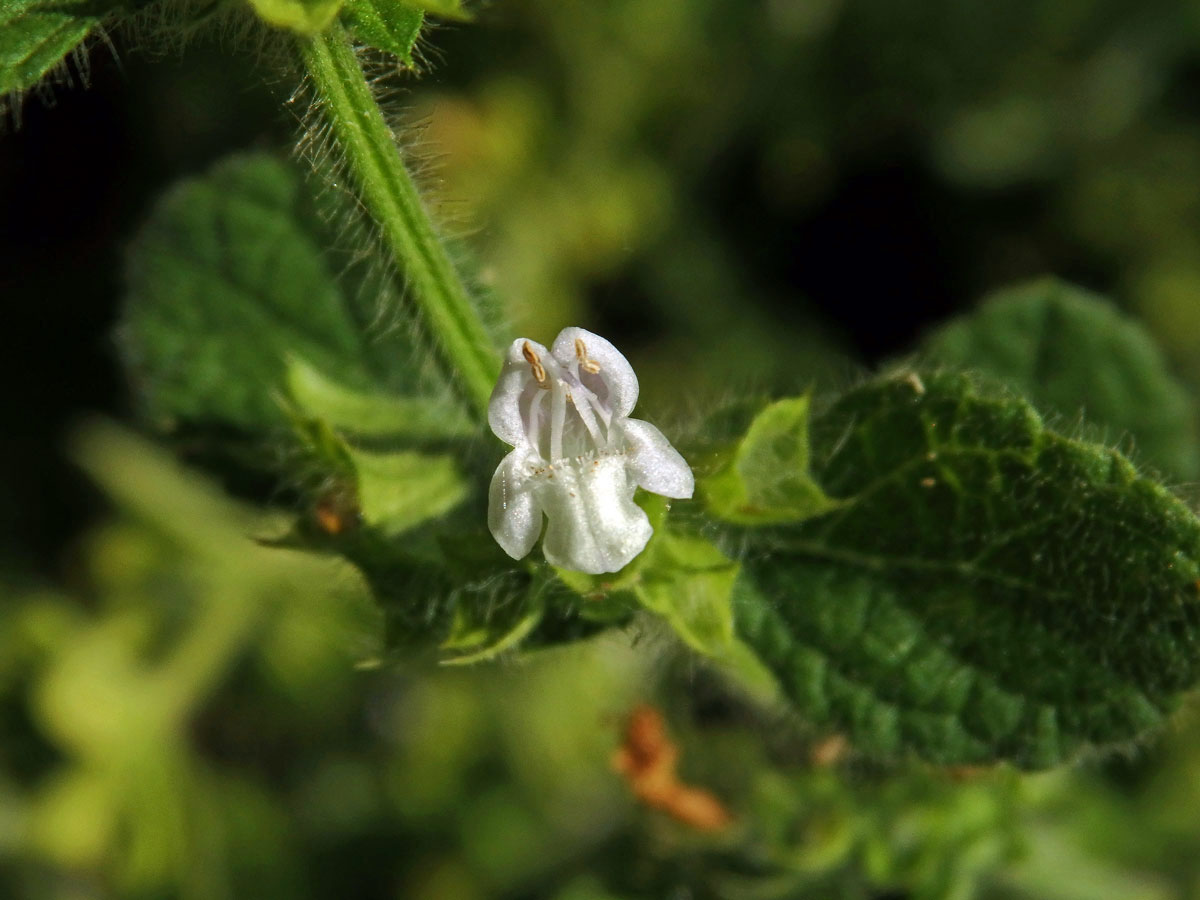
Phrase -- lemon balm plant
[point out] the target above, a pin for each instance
(973, 558)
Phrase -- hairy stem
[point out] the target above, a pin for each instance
(387, 191)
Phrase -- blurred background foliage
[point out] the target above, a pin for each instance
(766, 195)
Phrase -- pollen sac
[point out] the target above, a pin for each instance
(577, 457)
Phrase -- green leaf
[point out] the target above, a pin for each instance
(479, 633)
(35, 36)
(226, 279)
(384, 24)
(1071, 352)
(397, 491)
(989, 590)
(305, 17)
(445, 9)
(768, 479)
(371, 414)
(689, 583)
(324, 446)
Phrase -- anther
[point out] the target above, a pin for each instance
(539, 371)
(588, 365)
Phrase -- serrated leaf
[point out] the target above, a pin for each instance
(397, 491)
(368, 413)
(767, 479)
(1071, 353)
(226, 279)
(305, 17)
(689, 583)
(36, 35)
(990, 590)
(385, 24)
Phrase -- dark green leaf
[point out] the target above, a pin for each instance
(232, 306)
(990, 590)
(385, 24)
(35, 36)
(226, 279)
(1071, 353)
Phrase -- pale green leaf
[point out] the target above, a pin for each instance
(304, 17)
(372, 414)
(689, 583)
(398, 491)
(445, 9)
(385, 24)
(767, 479)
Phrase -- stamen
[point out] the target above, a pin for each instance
(539, 371)
(558, 415)
(605, 414)
(535, 420)
(588, 365)
(587, 416)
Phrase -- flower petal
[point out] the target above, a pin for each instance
(514, 515)
(616, 375)
(593, 525)
(654, 463)
(504, 409)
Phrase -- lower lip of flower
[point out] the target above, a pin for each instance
(593, 525)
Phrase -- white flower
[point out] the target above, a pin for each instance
(578, 455)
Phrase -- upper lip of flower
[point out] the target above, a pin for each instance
(561, 407)
(564, 402)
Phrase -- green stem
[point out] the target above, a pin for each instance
(388, 193)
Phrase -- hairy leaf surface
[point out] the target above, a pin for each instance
(385, 25)
(1072, 353)
(226, 278)
(989, 590)
(35, 35)
(232, 305)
